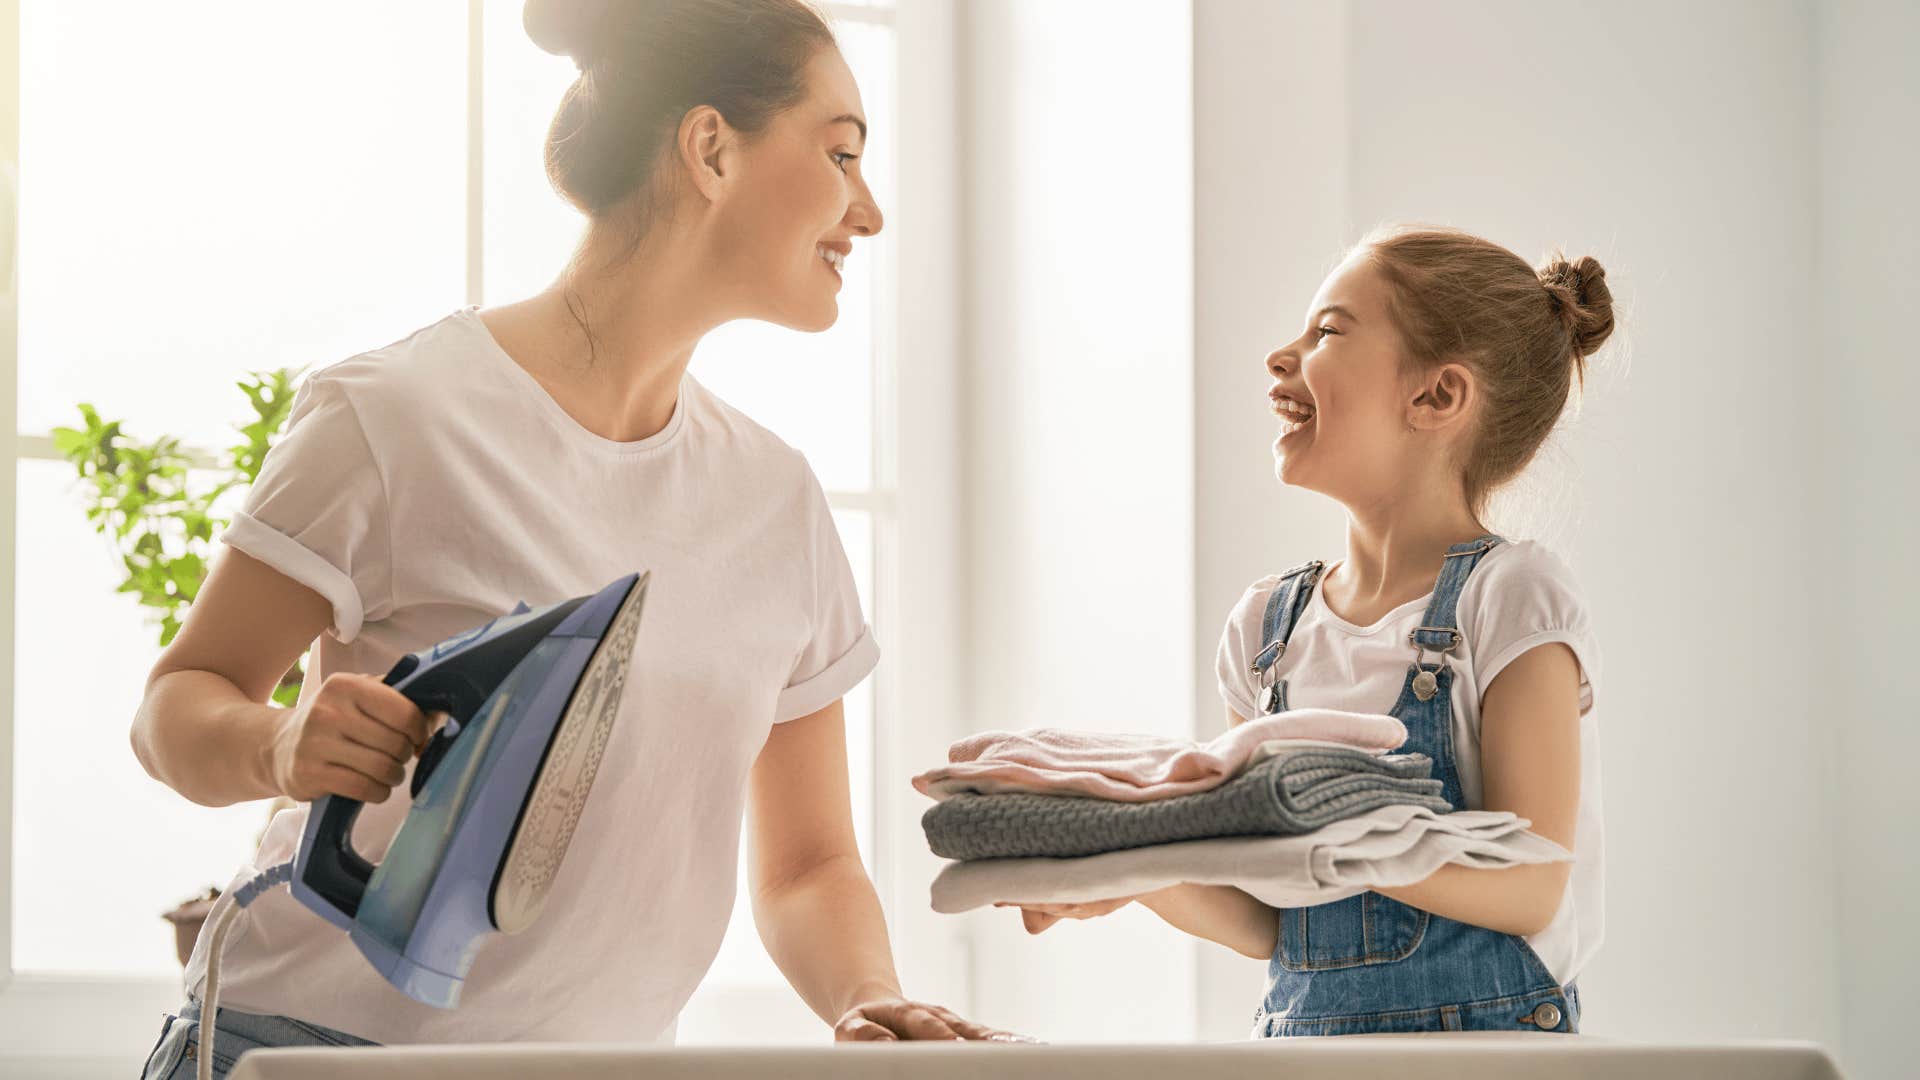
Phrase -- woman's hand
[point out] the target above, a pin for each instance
(892, 1019)
(1037, 917)
(352, 738)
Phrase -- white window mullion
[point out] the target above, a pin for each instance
(9, 407)
(476, 153)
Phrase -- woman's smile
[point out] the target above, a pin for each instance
(835, 256)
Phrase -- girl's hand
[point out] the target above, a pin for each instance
(1037, 917)
(353, 738)
(892, 1019)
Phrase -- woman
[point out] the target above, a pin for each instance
(534, 452)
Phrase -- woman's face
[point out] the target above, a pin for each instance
(1338, 389)
(799, 202)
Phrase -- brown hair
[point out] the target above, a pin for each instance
(1525, 332)
(644, 65)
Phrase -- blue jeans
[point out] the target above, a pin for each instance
(175, 1056)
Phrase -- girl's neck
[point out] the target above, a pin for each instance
(1394, 553)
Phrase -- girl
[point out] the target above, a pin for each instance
(1431, 367)
(534, 452)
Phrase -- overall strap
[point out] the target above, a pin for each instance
(1439, 629)
(1284, 605)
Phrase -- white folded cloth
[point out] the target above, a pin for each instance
(1390, 846)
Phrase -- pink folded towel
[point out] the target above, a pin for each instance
(1141, 768)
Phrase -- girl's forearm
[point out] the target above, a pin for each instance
(1219, 913)
(1513, 900)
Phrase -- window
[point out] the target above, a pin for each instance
(199, 200)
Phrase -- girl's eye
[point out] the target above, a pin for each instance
(1323, 331)
(840, 160)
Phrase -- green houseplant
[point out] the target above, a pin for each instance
(145, 498)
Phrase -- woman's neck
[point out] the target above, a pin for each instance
(611, 346)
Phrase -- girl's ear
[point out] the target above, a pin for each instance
(1441, 397)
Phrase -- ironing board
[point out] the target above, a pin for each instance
(1451, 1056)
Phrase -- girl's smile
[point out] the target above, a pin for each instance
(1294, 413)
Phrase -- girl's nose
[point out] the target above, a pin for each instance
(1279, 362)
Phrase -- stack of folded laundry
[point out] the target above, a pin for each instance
(1299, 808)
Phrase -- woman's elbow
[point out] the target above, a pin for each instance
(145, 739)
(140, 738)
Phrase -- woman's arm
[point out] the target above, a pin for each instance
(1530, 765)
(812, 901)
(204, 729)
(816, 909)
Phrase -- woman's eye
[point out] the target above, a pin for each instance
(1322, 331)
(840, 160)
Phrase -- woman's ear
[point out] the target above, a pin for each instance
(1441, 397)
(704, 148)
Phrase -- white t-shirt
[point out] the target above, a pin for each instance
(428, 486)
(1520, 596)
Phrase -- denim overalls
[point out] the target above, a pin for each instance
(1372, 964)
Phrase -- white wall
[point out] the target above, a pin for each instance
(1861, 366)
(1270, 193)
(1676, 145)
(1079, 443)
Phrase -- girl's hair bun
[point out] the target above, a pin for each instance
(1582, 299)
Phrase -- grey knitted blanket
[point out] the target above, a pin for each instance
(1296, 792)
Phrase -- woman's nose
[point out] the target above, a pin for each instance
(863, 214)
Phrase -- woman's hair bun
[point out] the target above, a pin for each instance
(1579, 293)
(567, 27)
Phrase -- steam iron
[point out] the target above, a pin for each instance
(531, 698)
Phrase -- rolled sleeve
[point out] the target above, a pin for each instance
(317, 512)
(840, 650)
(846, 672)
(276, 549)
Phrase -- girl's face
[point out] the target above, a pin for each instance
(796, 203)
(1340, 392)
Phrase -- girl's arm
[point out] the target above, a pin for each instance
(1530, 765)
(1219, 913)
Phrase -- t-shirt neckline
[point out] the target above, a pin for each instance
(1325, 610)
(564, 420)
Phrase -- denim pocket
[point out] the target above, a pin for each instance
(167, 1054)
(182, 1047)
(1365, 929)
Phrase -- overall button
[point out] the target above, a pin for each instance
(1547, 1016)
